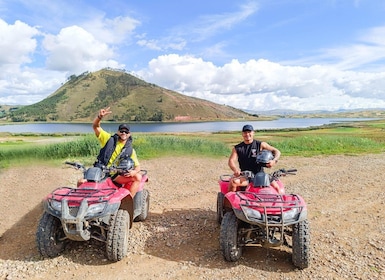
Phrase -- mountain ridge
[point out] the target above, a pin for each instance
(130, 99)
(133, 100)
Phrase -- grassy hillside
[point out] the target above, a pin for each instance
(6, 109)
(130, 99)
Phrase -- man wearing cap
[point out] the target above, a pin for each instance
(114, 146)
(243, 157)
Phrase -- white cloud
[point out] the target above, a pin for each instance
(76, 50)
(72, 51)
(150, 44)
(329, 81)
(17, 42)
(264, 85)
(19, 84)
(368, 52)
(201, 29)
(28, 86)
(209, 25)
(111, 31)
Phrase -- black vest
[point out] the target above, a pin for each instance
(247, 156)
(106, 152)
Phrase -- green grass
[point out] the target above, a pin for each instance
(87, 148)
(328, 145)
(156, 146)
(359, 138)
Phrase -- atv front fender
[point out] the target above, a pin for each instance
(128, 204)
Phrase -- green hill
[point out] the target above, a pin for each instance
(130, 99)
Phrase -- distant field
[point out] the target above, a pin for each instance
(348, 114)
(336, 139)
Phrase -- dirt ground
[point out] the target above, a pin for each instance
(180, 238)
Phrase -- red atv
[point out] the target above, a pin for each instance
(262, 214)
(96, 209)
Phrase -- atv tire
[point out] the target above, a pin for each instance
(118, 235)
(220, 198)
(145, 206)
(301, 244)
(50, 237)
(228, 238)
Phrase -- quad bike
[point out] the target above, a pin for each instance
(261, 213)
(96, 209)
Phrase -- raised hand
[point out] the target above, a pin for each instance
(104, 112)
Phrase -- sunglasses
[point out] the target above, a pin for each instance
(124, 131)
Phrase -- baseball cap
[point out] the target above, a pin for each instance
(247, 127)
(124, 127)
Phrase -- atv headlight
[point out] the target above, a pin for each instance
(250, 213)
(56, 205)
(96, 208)
(291, 214)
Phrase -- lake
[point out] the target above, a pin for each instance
(175, 127)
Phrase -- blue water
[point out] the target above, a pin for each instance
(174, 127)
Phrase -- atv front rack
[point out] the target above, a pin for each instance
(271, 209)
(75, 196)
(78, 208)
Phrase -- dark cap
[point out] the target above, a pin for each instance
(247, 127)
(124, 127)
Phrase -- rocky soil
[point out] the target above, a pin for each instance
(179, 240)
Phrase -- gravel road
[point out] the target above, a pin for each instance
(179, 240)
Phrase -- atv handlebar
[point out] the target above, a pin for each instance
(77, 165)
(105, 169)
(289, 171)
(282, 172)
(249, 174)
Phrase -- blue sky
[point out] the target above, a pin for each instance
(250, 54)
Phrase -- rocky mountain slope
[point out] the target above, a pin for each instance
(130, 98)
